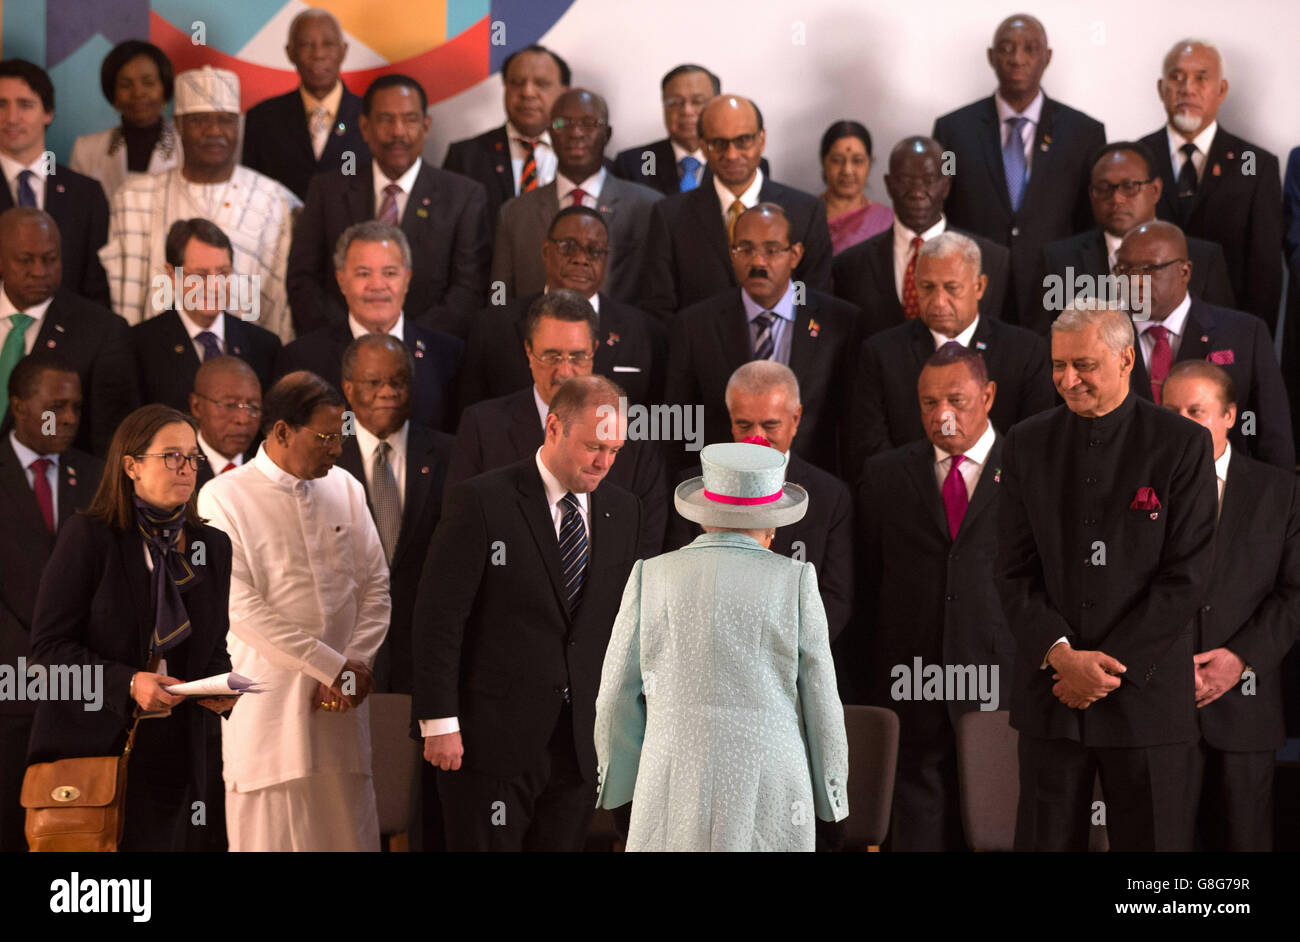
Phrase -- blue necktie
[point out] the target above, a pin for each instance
(689, 166)
(211, 348)
(26, 195)
(1013, 162)
(573, 550)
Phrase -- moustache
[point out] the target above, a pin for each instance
(758, 272)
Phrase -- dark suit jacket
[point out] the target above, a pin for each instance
(1240, 208)
(630, 165)
(206, 472)
(1085, 253)
(1254, 369)
(495, 645)
(1140, 605)
(98, 345)
(631, 350)
(445, 221)
(427, 454)
(886, 412)
(166, 362)
(929, 596)
(711, 340)
(80, 209)
(485, 158)
(823, 537)
(501, 431)
(437, 359)
(26, 544)
(687, 258)
(1055, 203)
(94, 607)
(1252, 603)
(277, 141)
(863, 275)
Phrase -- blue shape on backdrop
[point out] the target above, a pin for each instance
(79, 20)
(462, 14)
(229, 24)
(526, 22)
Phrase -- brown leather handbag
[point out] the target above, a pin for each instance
(77, 804)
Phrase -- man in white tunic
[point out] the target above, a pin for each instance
(309, 608)
(255, 211)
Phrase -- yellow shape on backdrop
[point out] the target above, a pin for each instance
(403, 29)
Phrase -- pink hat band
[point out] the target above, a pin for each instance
(743, 501)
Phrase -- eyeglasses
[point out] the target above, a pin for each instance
(555, 359)
(747, 250)
(720, 145)
(576, 124)
(570, 248)
(1125, 271)
(1130, 188)
(328, 441)
(254, 409)
(174, 460)
(677, 103)
(399, 384)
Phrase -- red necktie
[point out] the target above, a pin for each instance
(1162, 359)
(579, 196)
(41, 485)
(528, 172)
(911, 306)
(230, 466)
(954, 496)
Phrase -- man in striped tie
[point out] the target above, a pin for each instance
(521, 587)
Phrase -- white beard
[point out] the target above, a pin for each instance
(1186, 122)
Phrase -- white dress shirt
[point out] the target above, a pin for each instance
(216, 460)
(25, 458)
(12, 168)
(1202, 141)
(1221, 470)
(308, 591)
(963, 338)
(37, 314)
(782, 327)
(1027, 132)
(543, 156)
(218, 328)
(903, 237)
(591, 186)
(971, 468)
(1112, 247)
(367, 443)
(542, 408)
(1175, 323)
(405, 181)
(748, 199)
(359, 330)
(680, 153)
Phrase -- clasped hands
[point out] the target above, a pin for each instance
(331, 697)
(1082, 677)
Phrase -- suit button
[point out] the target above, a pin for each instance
(1093, 443)
(950, 597)
(1089, 480)
(1207, 608)
(1087, 562)
(1015, 231)
(1090, 522)
(1086, 603)
(953, 557)
(572, 643)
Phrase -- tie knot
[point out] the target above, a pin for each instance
(690, 164)
(765, 319)
(1188, 149)
(1017, 124)
(392, 190)
(41, 464)
(578, 194)
(525, 143)
(20, 321)
(569, 501)
(956, 461)
(917, 242)
(383, 449)
(1159, 332)
(25, 175)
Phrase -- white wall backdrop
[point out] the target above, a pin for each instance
(897, 65)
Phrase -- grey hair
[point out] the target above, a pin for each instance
(950, 243)
(379, 342)
(760, 376)
(313, 13)
(1192, 41)
(372, 230)
(1110, 316)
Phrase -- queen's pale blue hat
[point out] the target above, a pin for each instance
(742, 486)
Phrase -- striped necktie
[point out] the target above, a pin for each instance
(528, 172)
(573, 550)
(385, 501)
(764, 336)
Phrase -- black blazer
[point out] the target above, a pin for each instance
(1252, 603)
(495, 645)
(886, 412)
(630, 165)
(427, 454)
(1055, 203)
(1085, 253)
(445, 221)
(94, 607)
(824, 536)
(929, 596)
(437, 359)
(26, 544)
(687, 258)
(501, 431)
(485, 158)
(166, 362)
(277, 141)
(1240, 210)
(80, 210)
(1138, 607)
(711, 340)
(631, 350)
(1217, 333)
(863, 275)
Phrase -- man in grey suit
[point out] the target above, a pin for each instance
(580, 130)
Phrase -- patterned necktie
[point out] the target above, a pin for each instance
(1187, 175)
(319, 126)
(384, 500)
(26, 195)
(911, 304)
(1013, 162)
(764, 336)
(733, 213)
(955, 499)
(689, 167)
(1162, 358)
(577, 196)
(15, 349)
(211, 346)
(528, 172)
(44, 497)
(388, 210)
(573, 550)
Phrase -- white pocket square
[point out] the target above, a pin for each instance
(627, 369)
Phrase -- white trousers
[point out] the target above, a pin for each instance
(328, 811)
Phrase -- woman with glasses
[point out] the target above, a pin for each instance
(137, 589)
(846, 164)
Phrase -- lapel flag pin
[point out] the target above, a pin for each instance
(813, 327)
(501, 168)
(422, 213)
(1230, 155)
(425, 469)
(235, 350)
(340, 129)
(980, 345)
(1216, 171)
(611, 339)
(59, 188)
(500, 146)
(178, 349)
(997, 475)
(425, 201)
(1155, 515)
(51, 344)
(1204, 339)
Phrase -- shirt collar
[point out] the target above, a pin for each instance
(783, 309)
(405, 181)
(679, 152)
(748, 199)
(1221, 463)
(514, 134)
(1033, 112)
(593, 300)
(1112, 245)
(367, 442)
(542, 408)
(330, 102)
(398, 329)
(26, 456)
(1177, 319)
(277, 474)
(976, 454)
(1202, 140)
(218, 327)
(903, 236)
(12, 167)
(963, 338)
(592, 186)
(216, 460)
(36, 313)
(554, 489)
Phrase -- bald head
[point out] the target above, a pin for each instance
(1019, 56)
(1158, 232)
(12, 219)
(1154, 256)
(227, 401)
(732, 130)
(316, 48)
(580, 128)
(214, 370)
(1020, 22)
(916, 182)
(31, 264)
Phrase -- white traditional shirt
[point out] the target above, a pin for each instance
(253, 210)
(308, 591)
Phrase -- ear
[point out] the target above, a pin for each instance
(128, 466)
(762, 141)
(1231, 413)
(1158, 183)
(288, 53)
(796, 253)
(798, 415)
(194, 405)
(981, 285)
(990, 394)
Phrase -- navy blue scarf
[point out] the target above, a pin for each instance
(164, 535)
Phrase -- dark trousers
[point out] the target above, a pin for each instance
(927, 801)
(546, 808)
(15, 730)
(1235, 807)
(1145, 789)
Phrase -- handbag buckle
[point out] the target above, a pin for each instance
(66, 793)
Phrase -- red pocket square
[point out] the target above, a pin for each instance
(1221, 357)
(1145, 500)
